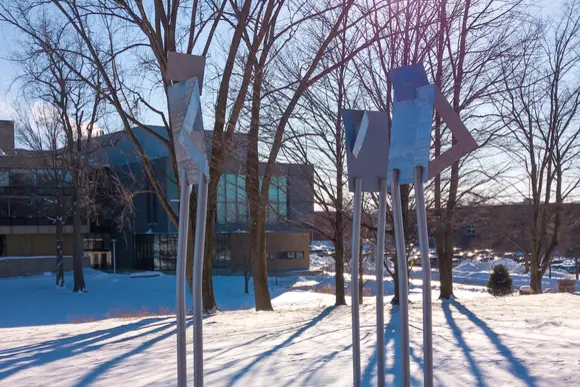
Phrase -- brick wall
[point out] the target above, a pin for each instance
(17, 267)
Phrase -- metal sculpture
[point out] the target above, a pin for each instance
(409, 163)
(187, 128)
(367, 137)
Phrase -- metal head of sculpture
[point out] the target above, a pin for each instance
(413, 106)
(185, 113)
(367, 153)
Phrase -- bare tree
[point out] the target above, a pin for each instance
(539, 112)
(41, 133)
(471, 39)
(62, 129)
(297, 69)
(127, 44)
(317, 137)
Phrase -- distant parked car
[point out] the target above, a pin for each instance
(459, 257)
(569, 268)
(512, 256)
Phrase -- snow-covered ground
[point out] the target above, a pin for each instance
(467, 273)
(50, 336)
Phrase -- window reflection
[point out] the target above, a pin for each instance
(232, 203)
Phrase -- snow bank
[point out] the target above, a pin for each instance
(476, 266)
(477, 273)
(318, 262)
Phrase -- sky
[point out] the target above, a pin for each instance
(7, 74)
(9, 70)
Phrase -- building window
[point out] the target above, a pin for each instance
(4, 211)
(4, 182)
(167, 252)
(96, 242)
(222, 251)
(2, 245)
(232, 206)
(277, 198)
(22, 178)
(143, 246)
(24, 212)
(151, 207)
(291, 255)
(232, 202)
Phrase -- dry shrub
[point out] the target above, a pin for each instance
(566, 286)
(366, 292)
(81, 320)
(326, 289)
(124, 315)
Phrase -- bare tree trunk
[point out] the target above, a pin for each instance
(445, 259)
(444, 277)
(535, 281)
(257, 196)
(59, 241)
(59, 254)
(339, 259)
(260, 267)
(79, 278)
(246, 282)
(207, 293)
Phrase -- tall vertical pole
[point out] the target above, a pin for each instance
(180, 274)
(380, 257)
(403, 277)
(426, 267)
(354, 284)
(197, 278)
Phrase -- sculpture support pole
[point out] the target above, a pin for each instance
(403, 277)
(380, 258)
(354, 283)
(197, 278)
(426, 267)
(185, 194)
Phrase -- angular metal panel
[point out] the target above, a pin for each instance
(411, 134)
(371, 164)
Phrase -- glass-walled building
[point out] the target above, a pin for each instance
(27, 196)
(28, 211)
(149, 242)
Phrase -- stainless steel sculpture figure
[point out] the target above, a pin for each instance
(187, 128)
(367, 137)
(409, 163)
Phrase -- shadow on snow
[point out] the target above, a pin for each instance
(26, 357)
